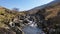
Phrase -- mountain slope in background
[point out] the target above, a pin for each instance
(49, 10)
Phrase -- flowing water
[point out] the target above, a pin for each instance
(32, 29)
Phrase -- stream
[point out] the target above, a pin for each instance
(32, 29)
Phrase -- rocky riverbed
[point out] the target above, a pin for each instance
(32, 30)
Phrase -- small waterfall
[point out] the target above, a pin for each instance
(32, 24)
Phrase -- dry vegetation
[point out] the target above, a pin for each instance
(7, 16)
